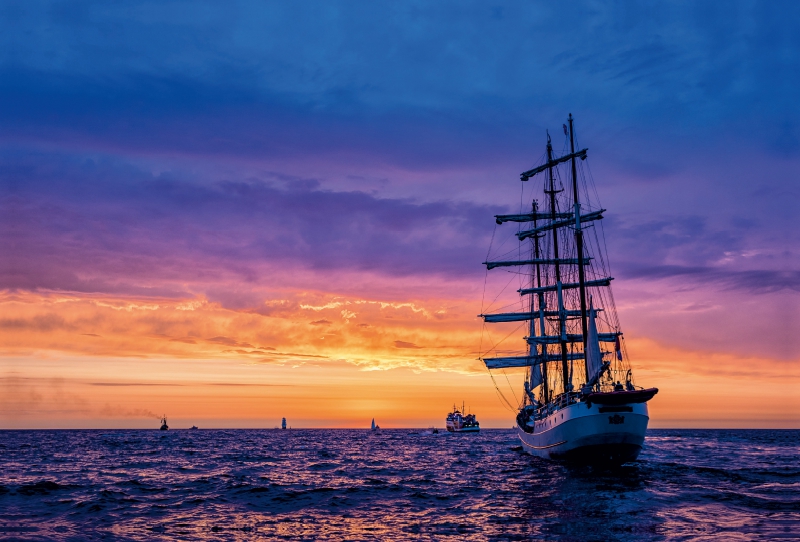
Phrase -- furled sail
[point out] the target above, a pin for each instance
(588, 217)
(551, 163)
(594, 359)
(573, 338)
(565, 286)
(523, 316)
(540, 261)
(525, 361)
(535, 376)
(529, 217)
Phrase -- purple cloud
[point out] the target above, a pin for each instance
(100, 226)
(149, 155)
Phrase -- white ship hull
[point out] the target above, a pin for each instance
(594, 434)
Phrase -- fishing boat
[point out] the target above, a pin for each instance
(459, 422)
(580, 400)
(164, 426)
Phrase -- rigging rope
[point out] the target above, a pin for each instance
(484, 328)
(500, 393)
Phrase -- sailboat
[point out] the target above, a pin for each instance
(373, 426)
(579, 401)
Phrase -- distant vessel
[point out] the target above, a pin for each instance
(375, 427)
(283, 423)
(459, 422)
(193, 427)
(164, 425)
(566, 302)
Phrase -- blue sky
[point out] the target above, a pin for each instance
(483, 74)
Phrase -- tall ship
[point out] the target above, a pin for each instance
(580, 400)
(459, 421)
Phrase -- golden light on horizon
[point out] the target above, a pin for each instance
(89, 361)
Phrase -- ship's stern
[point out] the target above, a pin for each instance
(589, 434)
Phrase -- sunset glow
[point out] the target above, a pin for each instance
(290, 221)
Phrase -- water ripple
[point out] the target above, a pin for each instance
(395, 485)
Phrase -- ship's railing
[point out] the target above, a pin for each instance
(561, 401)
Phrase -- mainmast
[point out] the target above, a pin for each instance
(561, 314)
(579, 247)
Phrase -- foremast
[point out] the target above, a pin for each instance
(538, 372)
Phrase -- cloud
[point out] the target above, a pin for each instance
(705, 251)
(227, 341)
(24, 396)
(758, 281)
(104, 227)
(41, 322)
(128, 384)
(117, 411)
(177, 174)
(391, 79)
(186, 340)
(404, 344)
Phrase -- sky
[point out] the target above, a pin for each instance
(233, 213)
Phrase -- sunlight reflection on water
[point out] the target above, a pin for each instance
(398, 484)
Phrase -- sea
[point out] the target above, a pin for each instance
(396, 484)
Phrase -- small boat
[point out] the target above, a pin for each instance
(459, 422)
(432, 431)
(375, 427)
(164, 426)
(193, 427)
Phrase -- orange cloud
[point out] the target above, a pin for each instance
(76, 360)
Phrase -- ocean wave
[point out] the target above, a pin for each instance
(334, 484)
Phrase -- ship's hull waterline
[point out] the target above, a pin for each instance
(589, 434)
